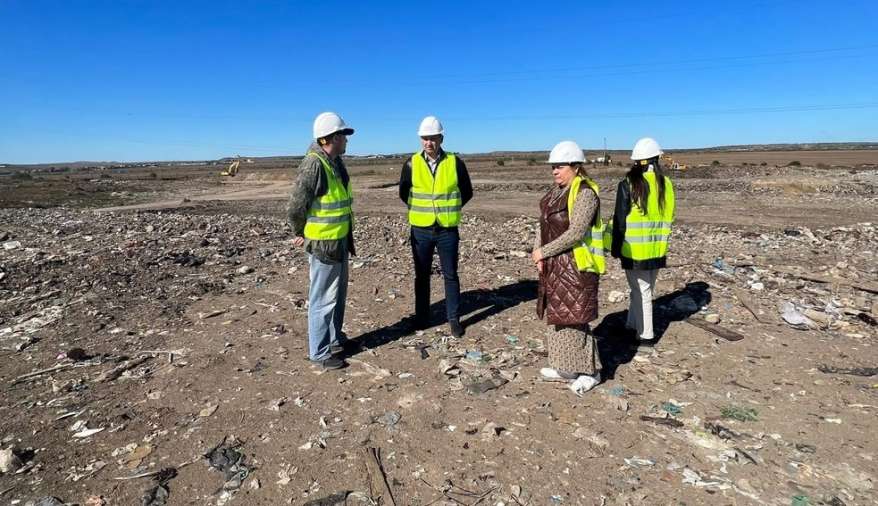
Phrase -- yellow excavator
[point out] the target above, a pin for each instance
(232, 171)
(668, 161)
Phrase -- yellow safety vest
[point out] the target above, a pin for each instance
(330, 215)
(647, 230)
(433, 199)
(589, 253)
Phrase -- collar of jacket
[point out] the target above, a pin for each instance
(438, 158)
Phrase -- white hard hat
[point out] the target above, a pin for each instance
(327, 123)
(645, 149)
(566, 152)
(430, 126)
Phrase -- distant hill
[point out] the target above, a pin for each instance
(816, 146)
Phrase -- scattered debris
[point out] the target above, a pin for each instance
(117, 371)
(159, 493)
(795, 318)
(209, 410)
(227, 459)
(636, 462)
(480, 386)
(670, 422)
(9, 461)
(741, 414)
(853, 371)
(615, 296)
(379, 487)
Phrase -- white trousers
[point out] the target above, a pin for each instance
(642, 284)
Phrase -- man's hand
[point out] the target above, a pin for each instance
(298, 241)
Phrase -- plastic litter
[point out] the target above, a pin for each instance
(720, 265)
(795, 318)
(227, 459)
(158, 494)
(636, 462)
(740, 414)
(671, 408)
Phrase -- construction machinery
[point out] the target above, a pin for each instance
(668, 161)
(232, 171)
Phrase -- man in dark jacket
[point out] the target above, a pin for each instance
(435, 185)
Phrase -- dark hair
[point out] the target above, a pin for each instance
(639, 187)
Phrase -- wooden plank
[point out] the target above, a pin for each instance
(728, 335)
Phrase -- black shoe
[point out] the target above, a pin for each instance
(332, 363)
(456, 328)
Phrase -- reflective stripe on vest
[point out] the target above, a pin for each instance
(330, 215)
(434, 198)
(589, 253)
(647, 232)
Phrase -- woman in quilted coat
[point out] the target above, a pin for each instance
(568, 292)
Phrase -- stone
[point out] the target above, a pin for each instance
(818, 316)
(712, 318)
(9, 461)
(615, 296)
(244, 269)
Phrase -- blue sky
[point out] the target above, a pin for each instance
(161, 80)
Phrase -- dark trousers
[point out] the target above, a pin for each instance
(424, 241)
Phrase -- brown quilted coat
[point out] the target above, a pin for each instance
(566, 295)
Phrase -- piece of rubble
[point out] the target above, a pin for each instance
(615, 296)
(158, 494)
(636, 462)
(817, 316)
(47, 501)
(491, 430)
(447, 368)
(209, 410)
(285, 475)
(480, 386)
(9, 461)
(84, 433)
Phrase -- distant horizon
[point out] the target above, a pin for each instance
(826, 146)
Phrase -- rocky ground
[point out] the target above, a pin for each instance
(159, 357)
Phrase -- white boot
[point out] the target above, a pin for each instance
(585, 383)
(550, 374)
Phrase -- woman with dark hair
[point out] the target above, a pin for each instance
(568, 252)
(641, 228)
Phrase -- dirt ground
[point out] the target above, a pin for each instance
(169, 310)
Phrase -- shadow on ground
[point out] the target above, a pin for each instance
(475, 304)
(616, 344)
